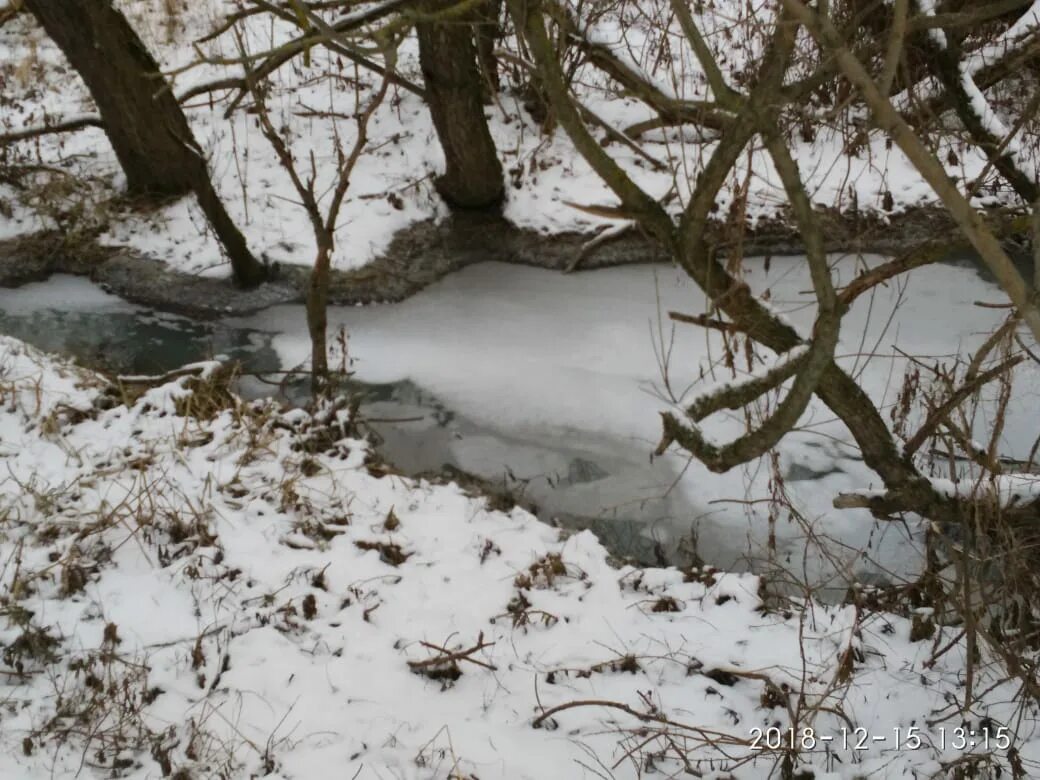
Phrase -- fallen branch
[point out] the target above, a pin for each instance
(203, 370)
(604, 237)
(445, 665)
(704, 321)
(718, 737)
(611, 233)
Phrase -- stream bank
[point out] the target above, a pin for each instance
(566, 483)
(420, 255)
(552, 400)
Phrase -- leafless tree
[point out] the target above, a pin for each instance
(322, 211)
(448, 33)
(142, 119)
(907, 78)
(762, 112)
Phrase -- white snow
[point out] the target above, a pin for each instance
(214, 602)
(980, 106)
(1015, 37)
(708, 394)
(392, 185)
(226, 594)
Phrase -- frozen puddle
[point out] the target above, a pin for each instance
(71, 316)
(550, 386)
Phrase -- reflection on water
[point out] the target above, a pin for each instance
(136, 343)
(572, 480)
(72, 317)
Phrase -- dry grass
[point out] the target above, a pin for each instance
(95, 700)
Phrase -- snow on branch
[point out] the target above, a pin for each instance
(738, 393)
(205, 369)
(49, 128)
(978, 114)
(1015, 496)
(1014, 38)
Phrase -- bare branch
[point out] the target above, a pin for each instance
(896, 40)
(940, 413)
(64, 126)
(632, 197)
(930, 168)
(334, 38)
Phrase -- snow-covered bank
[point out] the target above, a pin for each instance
(392, 186)
(235, 594)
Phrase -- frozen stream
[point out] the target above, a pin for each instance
(550, 385)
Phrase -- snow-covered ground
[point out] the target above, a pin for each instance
(191, 590)
(392, 185)
(237, 595)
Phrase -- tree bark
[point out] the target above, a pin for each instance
(142, 119)
(454, 86)
(317, 315)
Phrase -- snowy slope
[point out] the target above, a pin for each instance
(237, 595)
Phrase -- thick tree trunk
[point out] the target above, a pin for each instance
(454, 86)
(142, 119)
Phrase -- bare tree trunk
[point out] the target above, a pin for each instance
(141, 117)
(454, 87)
(1036, 247)
(317, 317)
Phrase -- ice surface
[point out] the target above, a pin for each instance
(557, 363)
(549, 385)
